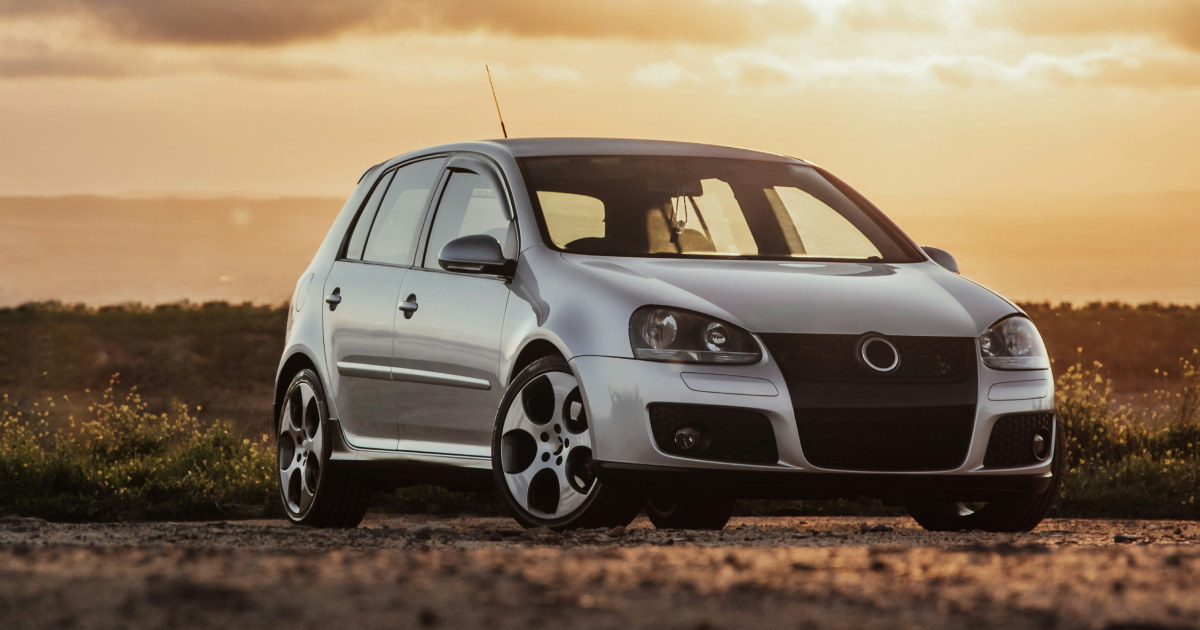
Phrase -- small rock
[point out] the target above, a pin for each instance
(421, 532)
(668, 542)
(427, 618)
(876, 529)
(800, 566)
(1177, 531)
(616, 532)
(541, 533)
(1125, 538)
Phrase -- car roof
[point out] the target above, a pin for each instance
(538, 147)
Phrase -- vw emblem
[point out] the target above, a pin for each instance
(878, 354)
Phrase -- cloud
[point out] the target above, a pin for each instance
(659, 75)
(555, 74)
(1117, 67)
(1178, 20)
(29, 64)
(894, 15)
(277, 22)
(29, 57)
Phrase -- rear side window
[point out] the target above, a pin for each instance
(469, 205)
(393, 236)
(362, 226)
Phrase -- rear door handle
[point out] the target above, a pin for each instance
(333, 299)
(409, 306)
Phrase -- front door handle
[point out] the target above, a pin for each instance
(409, 306)
(333, 299)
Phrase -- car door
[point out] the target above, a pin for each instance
(362, 292)
(447, 350)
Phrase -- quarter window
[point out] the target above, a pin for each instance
(394, 233)
(362, 226)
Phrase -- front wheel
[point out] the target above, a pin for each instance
(311, 492)
(542, 454)
(1018, 514)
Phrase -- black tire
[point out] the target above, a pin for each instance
(669, 514)
(1020, 514)
(602, 507)
(338, 500)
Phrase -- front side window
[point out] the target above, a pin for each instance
(394, 232)
(471, 204)
(703, 207)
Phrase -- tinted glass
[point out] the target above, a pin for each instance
(394, 234)
(470, 205)
(362, 226)
(700, 207)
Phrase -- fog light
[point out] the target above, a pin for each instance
(1041, 444)
(690, 440)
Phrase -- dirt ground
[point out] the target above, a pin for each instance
(430, 572)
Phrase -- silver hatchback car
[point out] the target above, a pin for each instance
(594, 327)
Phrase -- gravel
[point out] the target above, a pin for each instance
(428, 572)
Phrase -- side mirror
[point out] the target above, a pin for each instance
(942, 257)
(477, 253)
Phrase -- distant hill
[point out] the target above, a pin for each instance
(102, 250)
(1133, 248)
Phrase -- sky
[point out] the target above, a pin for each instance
(952, 98)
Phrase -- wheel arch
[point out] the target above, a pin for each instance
(534, 349)
(295, 362)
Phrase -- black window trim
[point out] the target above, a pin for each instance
(436, 199)
(885, 222)
(341, 255)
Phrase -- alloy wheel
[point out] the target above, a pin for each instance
(546, 447)
(300, 448)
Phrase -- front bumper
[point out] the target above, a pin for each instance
(712, 484)
(617, 392)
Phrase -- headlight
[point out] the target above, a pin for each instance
(668, 334)
(1013, 344)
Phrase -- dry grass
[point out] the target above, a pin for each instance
(1132, 413)
(123, 462)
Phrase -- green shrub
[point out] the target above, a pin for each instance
(123, 462)
(1127, 463)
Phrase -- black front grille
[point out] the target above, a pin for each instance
(886, 439)
(738, 435)
(1011, 442)
(835, 358)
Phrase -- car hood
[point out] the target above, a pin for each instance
(919, 299)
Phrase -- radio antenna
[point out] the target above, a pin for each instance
(497, 101)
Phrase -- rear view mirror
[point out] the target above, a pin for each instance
(477, 253)
(942, 257)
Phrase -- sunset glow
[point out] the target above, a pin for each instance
(977, 103)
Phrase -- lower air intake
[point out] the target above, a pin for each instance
(897, 439)
(737, 435)
(1011, 443)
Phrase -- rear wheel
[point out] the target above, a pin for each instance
(542, 454)
(313, 494)
(1017, 514)
(672, 514)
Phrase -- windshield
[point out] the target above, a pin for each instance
(703, 207)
